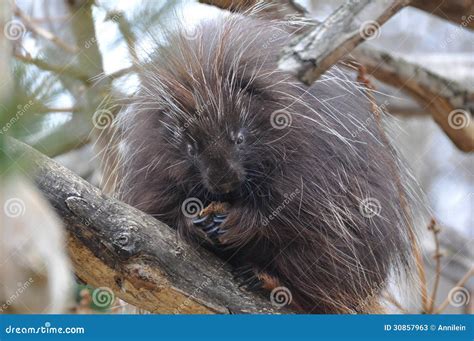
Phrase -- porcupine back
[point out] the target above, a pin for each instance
(320, 207)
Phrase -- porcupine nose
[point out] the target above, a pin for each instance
(222, 177)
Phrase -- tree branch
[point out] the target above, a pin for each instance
(66, 70)
(446, 100)
(317, 50)
(121, 72)
(139, 258)
(457, 11)
(46, 110)
(71, 135)
(32, 26)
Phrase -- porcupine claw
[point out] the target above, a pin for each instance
(210, 224)
(247, 278)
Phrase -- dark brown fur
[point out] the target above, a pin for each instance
(296, 192)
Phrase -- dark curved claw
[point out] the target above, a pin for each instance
(247, 277)
(211, 225)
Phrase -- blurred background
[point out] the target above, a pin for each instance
(66, 64)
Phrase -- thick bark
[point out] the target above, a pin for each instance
(139, 258)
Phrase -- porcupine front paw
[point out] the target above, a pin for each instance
(211, 225)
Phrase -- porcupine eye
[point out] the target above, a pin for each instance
(240, 138)
(191, 150)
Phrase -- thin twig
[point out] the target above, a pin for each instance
(32, 26)
(46, 110)
(58, 69)
(121, 72)
(437, 256)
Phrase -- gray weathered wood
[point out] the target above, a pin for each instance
(311, 54)
(139, 258)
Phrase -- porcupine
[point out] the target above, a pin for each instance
(310, 184)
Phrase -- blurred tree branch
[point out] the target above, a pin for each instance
(67, 70)
(72, 135)
(40, 31)
(457, 11)
(440, 96)
(139, 258)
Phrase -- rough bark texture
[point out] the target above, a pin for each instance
(140, 259)
(317, 50)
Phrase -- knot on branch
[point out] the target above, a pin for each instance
(121, 239)
(125, 245)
